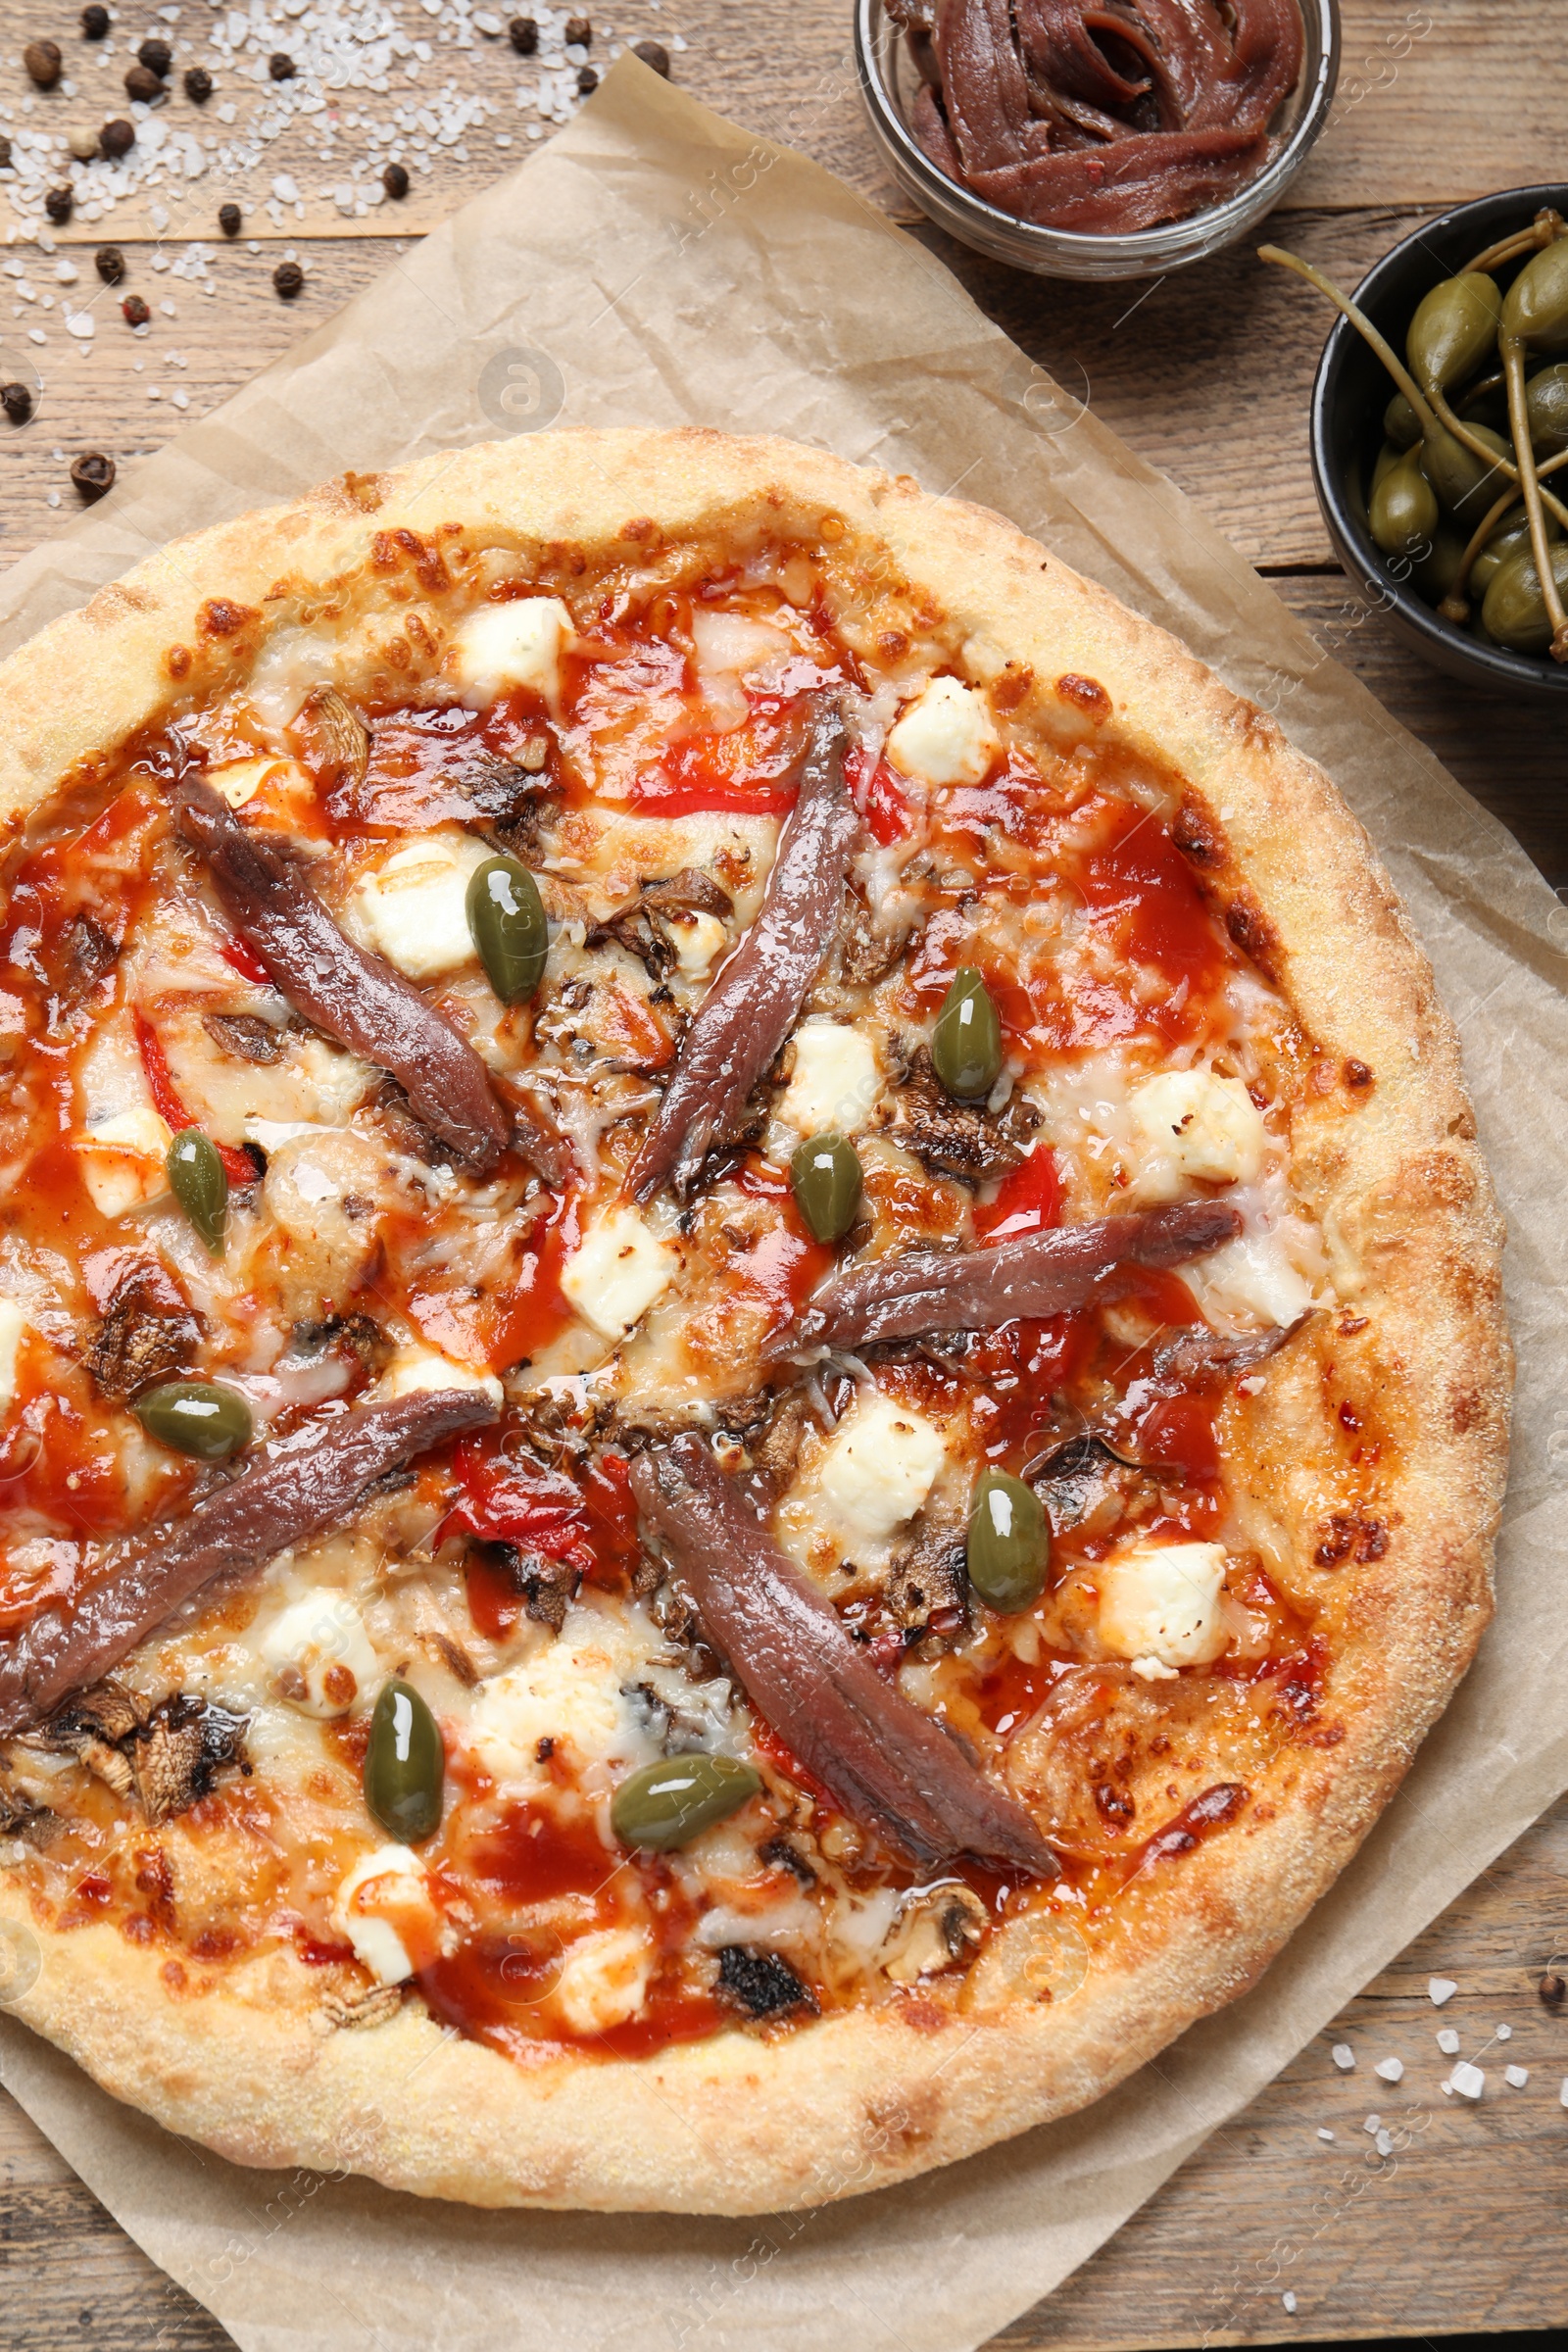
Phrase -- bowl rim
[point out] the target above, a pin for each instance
(1161, 244)
(1450, 647)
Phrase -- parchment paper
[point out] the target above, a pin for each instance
(656, 265)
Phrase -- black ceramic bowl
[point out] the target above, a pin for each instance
(1349, 398)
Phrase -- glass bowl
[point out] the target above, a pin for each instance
(1349, 397)
(889, 82)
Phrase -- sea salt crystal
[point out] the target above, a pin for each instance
(1385, 2143)
(1322, 2135)
(1467, 2079)
(1562, 2095)
(79, 323)
(1388, 2070)
(1441, 1990)
(1289, 2301)
(1448, 2043)
(1343, 2056)
(1505, 2032)
(1374, 2123)
(1516, 2077)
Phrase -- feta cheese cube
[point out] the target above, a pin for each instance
(381, 1907)
(123, 1161)
(836, 1081)
(502, 647)
(1189, 1125)
(13, 1330)
(1162, 1601)
(571, 1693)
(945, 736)
(878, 1467)
(617, 1273)
(1250, 1280)
(603, 1980)
(322, 1654)
(413, 908)
(414, 1370)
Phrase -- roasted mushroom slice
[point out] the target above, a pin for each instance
(148, 1333)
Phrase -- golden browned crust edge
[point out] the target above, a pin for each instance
(857, 2101)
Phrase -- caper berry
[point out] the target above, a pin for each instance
(1387, 456)
(1455, 327)
(507, 917)
(825, 1173)
(197, 1417)
(669, 1804)
(1401, 422)
(200, 1183)
(1514, 610)
(1009, 1543)
(405, 1765)
(1402, 509)
(1512, 533)
(1547, 405)
(1434, 573)
(1465, 482)
(966, 1043)
(1535, 306)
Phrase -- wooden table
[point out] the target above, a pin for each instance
(1206, 375)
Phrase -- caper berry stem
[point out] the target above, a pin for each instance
(1542, 230)
(1363, 328)
(1478, 448)
(1455, 604)
(1513, 369)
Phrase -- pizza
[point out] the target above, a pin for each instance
(753, 1386)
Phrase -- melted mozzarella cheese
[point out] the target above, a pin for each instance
(945, 736)
(620, 1268)
(503, 647)
(414, 907)
(1161, 1601)
(381, 1907)
(604, 1979)
(123, 1161)
(878, 1467)
(239, 780)
(836, 1081)
(13, 1330)
(698, 939)
(322, 1654)
(1190, 1126)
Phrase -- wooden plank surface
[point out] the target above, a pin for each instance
(1462, 2225)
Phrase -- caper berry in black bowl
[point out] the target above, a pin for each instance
(1363, 426)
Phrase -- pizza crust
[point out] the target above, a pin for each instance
(1389, 1164)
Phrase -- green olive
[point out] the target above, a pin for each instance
(1455, 327)
(405, 1765)
(199, 1183)
(826, 1175)
(1515, 611)
(507, 917)
(1535, 306)
(1009, 1543)
(1512, 533)
(1547, 405)
(1401, 422)
(1434, 573)
(197, 1417)
(1387, 457)
(966, 1043)
(1465, 483)
(1404, 508)
(669, 1804)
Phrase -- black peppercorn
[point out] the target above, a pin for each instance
(228, 220)
(654, 54)
(1552, 1990)
(42, 61)
(143, 85)
(156, 55)
(587, 82)
(288, 277)
(110, 263)
(17, 402)
(117, 138)
(134, 311)
(57, 204)
(524, 36)
(94, 22)
(580, 30)
(394, 180)
(198, 85)
(280, 65)
(93, 474)
(5, 155)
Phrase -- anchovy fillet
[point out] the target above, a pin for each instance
(889, 1765)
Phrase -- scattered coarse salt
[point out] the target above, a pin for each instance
(1562, 2095)
(1516, 2077)
(1322, 2135)
(1448, 2043)
(1505, 2032)
(1385, 2143)
(1343, 2056)
(1467, 2079)
(1388, 2070)
(1289, 2301)
(1373, 2123)
(1441, 1990)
